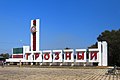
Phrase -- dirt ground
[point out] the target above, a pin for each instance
(26, 73)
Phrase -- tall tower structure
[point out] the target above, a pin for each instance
(35, 35)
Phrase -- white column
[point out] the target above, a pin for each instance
(105, 57)
(100, 53)
(25, 49)
(31, 35)
(12, 52)
(37, 34)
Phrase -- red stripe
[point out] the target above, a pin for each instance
(34, 22)
(17, 56)
(34, 41)
(34, 37)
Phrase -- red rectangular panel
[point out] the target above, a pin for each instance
(34, 41)
(17, 56)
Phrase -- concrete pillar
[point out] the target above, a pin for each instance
(24, 63)
(37, 34)
(25, 48)
(72, 64)
(100, 53)
(84, 64)
(36, 63)
(20, 63)
(61, 64)
(8, 64)
(105, 54)
(41, 64)
(50, 64)
(31, 63)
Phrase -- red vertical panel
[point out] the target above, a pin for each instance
(26, 56)
(34, 37)
(34, 41)
(34, 22)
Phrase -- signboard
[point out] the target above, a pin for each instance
(57, 56)
(38, 56)
(68, 55)
(47, 56)
(80, 55)
(93, 55)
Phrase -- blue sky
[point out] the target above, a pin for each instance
(64, 23)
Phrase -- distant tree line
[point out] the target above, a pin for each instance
(113, 39)
(5, 55)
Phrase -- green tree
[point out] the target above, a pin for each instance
(113, 40)
(5, 55)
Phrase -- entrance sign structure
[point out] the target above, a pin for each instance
(32, 53)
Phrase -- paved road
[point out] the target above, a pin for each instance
(24, 73)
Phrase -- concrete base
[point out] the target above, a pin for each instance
(18, 63)
(50, 64)
(8, 64)
(84, 64)
(41, 64)
(72, 64)
(36, 63)
(61, 64)
(31, 63)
